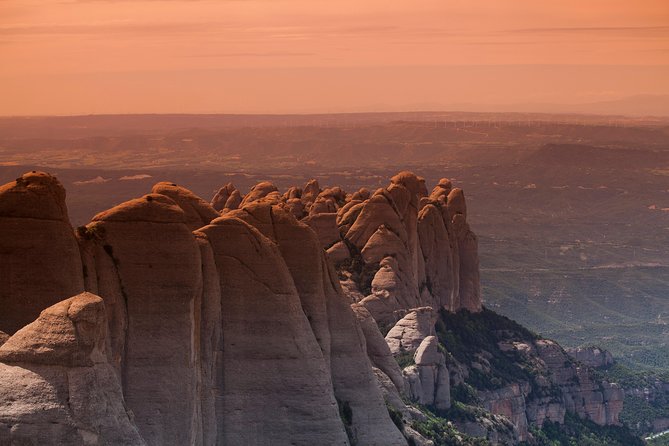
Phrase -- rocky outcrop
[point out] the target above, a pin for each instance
(325, 226)
(265, 331)
(416, 248)
(377, 348)
(438, 246)
(237, 327)
(197, 211)
(56, 385)
(410, 331)
(423, 254)
(332, 322)
(237, 333)
(509, 401)
(598, 401)
(428, 380)
(591, 356)
(257, 192)
(561, 386)
(39, 258)
(221, 197)
(469, 290)
(142, 259)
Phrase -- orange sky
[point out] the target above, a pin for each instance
(125, 56)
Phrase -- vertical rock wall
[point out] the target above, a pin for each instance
(39, 258)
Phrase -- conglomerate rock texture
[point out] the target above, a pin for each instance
(258, 319)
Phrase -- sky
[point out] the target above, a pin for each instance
(298, 56)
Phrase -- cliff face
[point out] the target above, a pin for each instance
(557, 385)
(258, 324)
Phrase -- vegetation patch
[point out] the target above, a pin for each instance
(346, 415)
(580, 432)
(464, 393)
(405, 359)
(396, 416)
(443, 433)
(361, 273)
(639, 412)
(465, 335)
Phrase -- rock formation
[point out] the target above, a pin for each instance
(143, 260)
(591, 356)
(39, 258)
(272, 379)
(198, 212)
(428, 379)
(410, 331)
(255, 319)
(600, 402)
(56, 384)
(221, 198)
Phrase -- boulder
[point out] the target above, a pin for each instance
(428, 380)
(56, 386)
(361, 195)
(295, 207)
(441, 190)
(292, 193)
(323, 205)
(456, 203)
(338, 252)
(410, 331)
(375, 212)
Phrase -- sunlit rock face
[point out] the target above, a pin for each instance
(56, 383)
(400, 246)
(331, 321)
(422, 248)
(143, 260)
(272, 378)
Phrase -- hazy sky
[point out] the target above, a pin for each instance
(122, 56)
